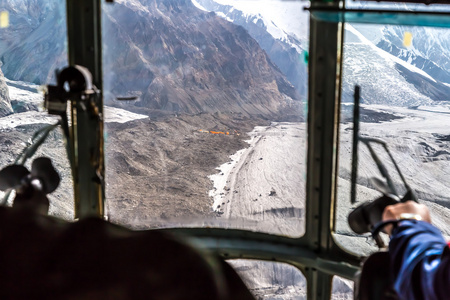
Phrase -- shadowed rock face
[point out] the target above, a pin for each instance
(5, 104)
(34, 45)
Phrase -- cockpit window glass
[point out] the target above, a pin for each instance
(404, 76)
(270, 280)
(342, 289)
(207, 106)
(33, 44)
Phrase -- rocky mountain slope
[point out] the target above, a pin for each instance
(5, 103)
(174, 57)
(170, 54)
(284, 48)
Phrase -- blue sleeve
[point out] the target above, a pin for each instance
(419, 261)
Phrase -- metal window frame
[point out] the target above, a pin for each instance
(85, 49)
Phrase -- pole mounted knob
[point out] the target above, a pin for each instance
(31, 187)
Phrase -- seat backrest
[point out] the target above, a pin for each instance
(374, 281)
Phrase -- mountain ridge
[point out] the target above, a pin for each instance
(5, 101)
(192, 62)
(172, 56)
(284, 51)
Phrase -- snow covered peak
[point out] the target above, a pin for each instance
(385, 78)
(288, 17)
(196, 4)
(281, 19)
(387, 56)
(134, 5)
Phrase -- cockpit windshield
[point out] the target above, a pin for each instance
(209, 101)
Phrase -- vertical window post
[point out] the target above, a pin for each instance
(323, 120)
(85, 49)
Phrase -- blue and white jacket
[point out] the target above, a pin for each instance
(420, 261)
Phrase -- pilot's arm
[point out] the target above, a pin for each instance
(420, 257)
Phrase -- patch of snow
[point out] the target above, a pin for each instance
(112, 114)
(28, 92)
(220, 180)
(222, 15)
(27, 118)
(374, 33)
(25, 85)
(289, 17)
(196, 4)
(24, 91)
(118, 115)
(274, 30)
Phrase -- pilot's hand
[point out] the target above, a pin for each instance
(405, 210)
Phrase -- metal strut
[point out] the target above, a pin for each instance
(85, 49)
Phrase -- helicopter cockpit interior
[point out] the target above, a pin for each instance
(250, 129)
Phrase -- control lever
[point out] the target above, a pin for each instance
(364, 217)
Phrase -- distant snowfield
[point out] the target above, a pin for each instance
(27, 118)
(23, 91)
(28, 93)
(118, 115)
